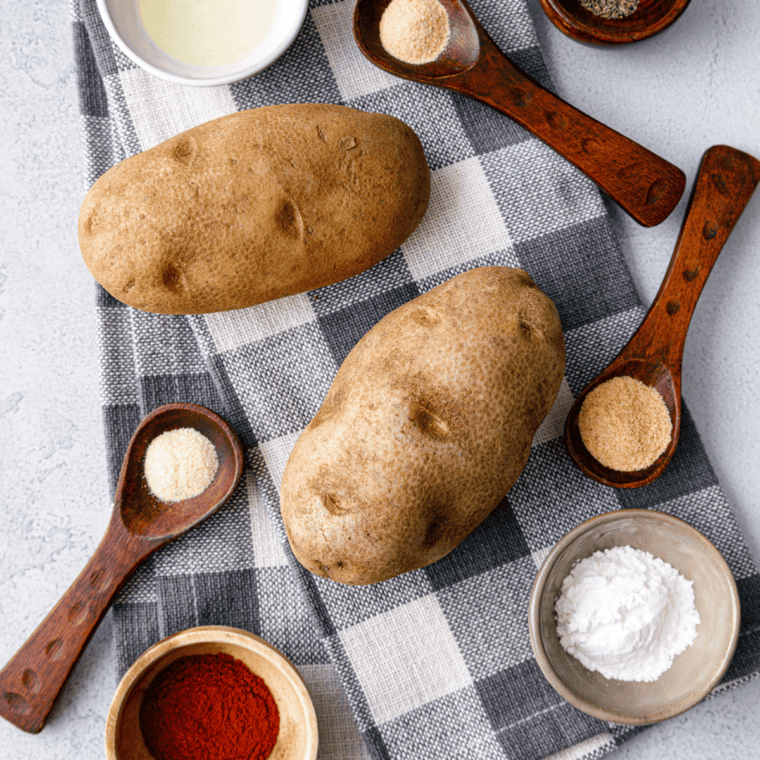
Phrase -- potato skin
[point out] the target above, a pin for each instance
(254, 206)
(427, 425)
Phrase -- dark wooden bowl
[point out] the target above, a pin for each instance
(650, 18)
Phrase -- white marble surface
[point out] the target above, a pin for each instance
(695, 85)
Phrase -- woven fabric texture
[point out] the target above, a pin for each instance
(435, 663)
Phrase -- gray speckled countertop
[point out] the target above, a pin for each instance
(695, 85)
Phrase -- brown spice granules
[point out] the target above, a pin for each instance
(414, 31)
(625, 424)
(611, 8)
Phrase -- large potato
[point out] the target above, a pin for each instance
(427, 425)
(254, 206)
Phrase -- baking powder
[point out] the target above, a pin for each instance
(626, 614)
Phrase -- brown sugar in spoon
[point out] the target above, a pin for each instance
(725, 183)
(31, 682)
(644, 185)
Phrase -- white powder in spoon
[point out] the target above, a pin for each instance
(180, 464)
(626, 614)
(414, 31)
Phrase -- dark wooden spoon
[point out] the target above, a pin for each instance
(725, 183)
(31, 682)
(645, 186)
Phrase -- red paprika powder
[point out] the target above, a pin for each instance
(209, 707)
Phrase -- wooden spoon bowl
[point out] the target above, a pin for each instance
(644, 185)
(652, 373)
(31, 682)
(650, 18)
(461, 53)
(141, 512)
(726, 181)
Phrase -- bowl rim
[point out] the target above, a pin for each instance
(210, 634)
(577, 29)
(299, 14)
(534, 625)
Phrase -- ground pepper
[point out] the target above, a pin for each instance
(611, 8)
(209, 707)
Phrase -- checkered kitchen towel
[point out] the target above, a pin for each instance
(435, 663)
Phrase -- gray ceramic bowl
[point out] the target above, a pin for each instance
(694, 673)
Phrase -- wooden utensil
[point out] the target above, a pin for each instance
(140, 524)
(646, 186)
(725, 183)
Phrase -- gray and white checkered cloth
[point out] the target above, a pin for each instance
(435, 663)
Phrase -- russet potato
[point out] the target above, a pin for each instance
(427, 425)
(254, 206)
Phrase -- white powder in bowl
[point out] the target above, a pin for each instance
(626, 614)
(180, 464)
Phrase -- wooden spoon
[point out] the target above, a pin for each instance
(646, 186)
(725, 183)
(31, 682)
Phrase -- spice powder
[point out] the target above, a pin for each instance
(180, 464)
(209, 707)
(625, 424)
(414, 31)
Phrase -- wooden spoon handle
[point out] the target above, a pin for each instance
(31, 682)
(644, 185)
(725, 183)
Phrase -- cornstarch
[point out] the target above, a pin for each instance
(180, 464)
(626, 614)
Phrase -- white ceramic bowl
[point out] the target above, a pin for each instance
(122, 20)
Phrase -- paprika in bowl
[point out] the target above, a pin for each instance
(210, 693)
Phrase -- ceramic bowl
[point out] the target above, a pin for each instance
(124, 25)
(297, 739)
(694, 673)
(650, 18)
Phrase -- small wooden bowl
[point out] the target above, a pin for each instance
(297, 739)
(650, 18)
(694, 673)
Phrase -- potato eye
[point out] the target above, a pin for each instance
(428, 422)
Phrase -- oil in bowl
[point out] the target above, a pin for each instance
(203, 42)
(207, 32)
(212, 684)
